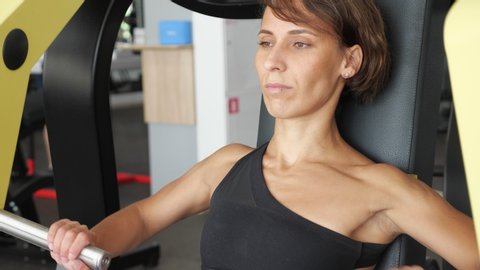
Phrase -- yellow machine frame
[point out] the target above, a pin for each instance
(462, 41)
(41, 21)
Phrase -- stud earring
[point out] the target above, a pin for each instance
(346, 75)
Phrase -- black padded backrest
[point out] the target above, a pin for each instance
(399, 127)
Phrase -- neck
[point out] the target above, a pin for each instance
(312, 139)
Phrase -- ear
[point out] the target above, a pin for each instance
(352, 61)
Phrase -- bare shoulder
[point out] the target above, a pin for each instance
(402, 193)
(392, 180)
(397, 189)
(214, 168)
(229, 153)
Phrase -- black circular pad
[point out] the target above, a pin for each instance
(15, 49)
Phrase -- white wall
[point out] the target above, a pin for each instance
(156, 10)
(242, 80)
(210, 83)
(172, 151)
(224, 69)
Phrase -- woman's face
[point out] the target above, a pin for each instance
(299, 68)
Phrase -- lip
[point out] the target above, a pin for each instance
(276, 87)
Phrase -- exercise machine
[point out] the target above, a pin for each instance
(77, 101)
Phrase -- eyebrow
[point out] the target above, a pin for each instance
(291, 32)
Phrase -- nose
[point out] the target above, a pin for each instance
(274, 59)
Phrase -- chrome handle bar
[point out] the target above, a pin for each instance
(36, 234)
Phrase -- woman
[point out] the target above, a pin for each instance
(283, 206)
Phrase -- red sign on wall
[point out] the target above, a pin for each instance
(233, 105)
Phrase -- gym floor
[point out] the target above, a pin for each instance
(179, 243)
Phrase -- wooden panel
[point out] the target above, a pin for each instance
(168, 85)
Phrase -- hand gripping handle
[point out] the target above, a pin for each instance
(95, 258)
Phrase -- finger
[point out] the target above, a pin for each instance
(75, 265)
(69, 236)
(70, 265)
(56, 258)
(82, 240)
(67, 241)
(52, 232)
(58, 242)
(58, 231)
(79, 265)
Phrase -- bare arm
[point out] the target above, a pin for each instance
(420, 212)
(127, 228)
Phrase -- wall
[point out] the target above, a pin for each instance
(172, 152)
(172, 148)
(156, 10)
(225, 72)
(224, 69)
(210, 83)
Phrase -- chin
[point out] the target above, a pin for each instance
(281, 108)
(277, 111)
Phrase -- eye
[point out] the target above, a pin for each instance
(265, 44)
(301, 45)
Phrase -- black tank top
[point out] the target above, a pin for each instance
(248, 229)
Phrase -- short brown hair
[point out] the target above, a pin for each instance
(354, 22)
